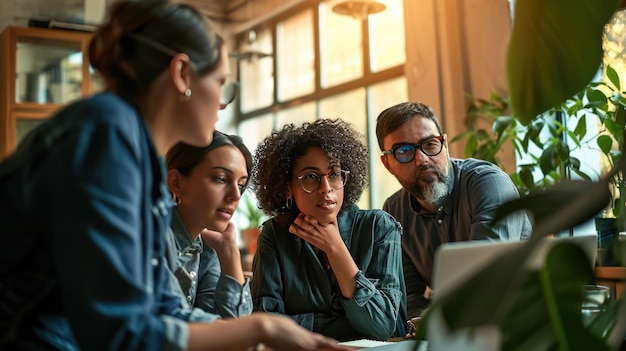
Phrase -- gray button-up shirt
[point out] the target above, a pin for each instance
(476, 190)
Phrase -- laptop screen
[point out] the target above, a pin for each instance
(456, 261)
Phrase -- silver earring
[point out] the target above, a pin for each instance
(186, 95)
(288, 202)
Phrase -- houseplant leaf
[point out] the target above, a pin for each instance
(534, 309)
(561, 206)
(553, 55)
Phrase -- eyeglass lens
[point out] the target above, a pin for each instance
(228, 93)
(406, 153)
(311, 182)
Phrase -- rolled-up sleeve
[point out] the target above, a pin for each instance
(231, 298)
(377, 304)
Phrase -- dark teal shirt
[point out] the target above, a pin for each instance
(290, 279)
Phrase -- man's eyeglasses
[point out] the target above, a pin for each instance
(406, 153)
(311, 182)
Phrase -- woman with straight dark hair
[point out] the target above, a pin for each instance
(206, 183)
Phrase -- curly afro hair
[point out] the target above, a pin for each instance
(275, 156)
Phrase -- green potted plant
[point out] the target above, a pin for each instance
(605, 101)
(253, 216)
(554, 52)
(481, 143)
(549, 135)
(599, 102)
(608, 102)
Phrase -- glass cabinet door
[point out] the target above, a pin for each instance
(48, 71)
(24, 126)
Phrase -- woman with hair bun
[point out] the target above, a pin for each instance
(86, 209)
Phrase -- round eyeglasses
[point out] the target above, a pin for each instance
(336, 179)
(405, 153)
(228, 94)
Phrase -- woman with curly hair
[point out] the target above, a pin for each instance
(333, 268)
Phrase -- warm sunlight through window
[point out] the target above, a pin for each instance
(386, 37)
(383, 95)
(361, 72)
(256, 70)
(341, 46)
(296, 57)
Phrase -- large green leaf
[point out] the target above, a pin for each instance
(535, 310)
(561, 206)
(555, 50)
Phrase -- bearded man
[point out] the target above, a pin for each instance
(442, 199)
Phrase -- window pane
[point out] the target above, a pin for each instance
(253, 130)
(387, 37)
(383, 95)
(296, 115)
(341, 50)
(256, 70)
(350, 107)
(296, 57)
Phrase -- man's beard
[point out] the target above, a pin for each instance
(436, 188)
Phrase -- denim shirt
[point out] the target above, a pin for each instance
(477, 188)
(290, 279)
(197, 269)
(85, 212)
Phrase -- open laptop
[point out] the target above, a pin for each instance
(455, 261)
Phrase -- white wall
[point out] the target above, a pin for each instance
(17, 12)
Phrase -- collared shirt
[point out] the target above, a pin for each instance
(476, 190)
(197, 268)
(290, 279)
(85, 213)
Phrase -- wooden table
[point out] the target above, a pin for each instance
(613, 277)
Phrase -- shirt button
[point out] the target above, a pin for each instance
(439, 221)
(192, 274)
(188, 298)
(440, 208)
(155, 261)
